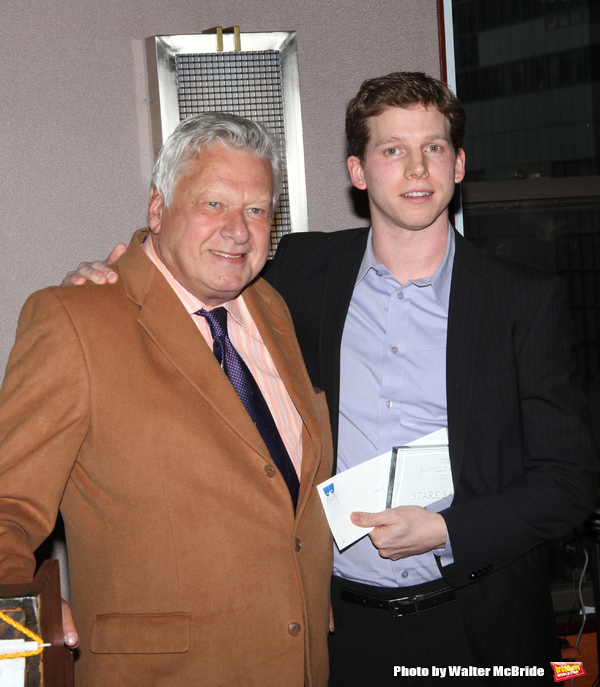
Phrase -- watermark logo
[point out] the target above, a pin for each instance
(566, 671)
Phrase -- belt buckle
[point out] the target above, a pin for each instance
(396, 605)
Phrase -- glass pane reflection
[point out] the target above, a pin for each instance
(529, 75)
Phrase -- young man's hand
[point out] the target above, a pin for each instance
(97, 272)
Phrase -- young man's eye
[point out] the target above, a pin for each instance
(435, 148)
(392, 151)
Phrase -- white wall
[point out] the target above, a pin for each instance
(76, 150)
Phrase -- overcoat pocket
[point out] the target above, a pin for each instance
(141, 633)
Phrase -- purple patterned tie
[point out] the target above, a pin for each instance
(250, 395)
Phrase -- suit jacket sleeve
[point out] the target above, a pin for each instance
(44, 416)
(527, 468)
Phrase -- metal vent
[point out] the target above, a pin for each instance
(189, 75)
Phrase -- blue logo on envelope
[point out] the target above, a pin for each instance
(329, 489)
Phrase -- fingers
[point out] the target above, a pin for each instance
(73, 279)
(403, 531)
(116, 253)
(95, 272)
(98, 272)
(69, 629)
(361, 519)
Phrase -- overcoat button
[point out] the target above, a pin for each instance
(294, 629)
(270, 471)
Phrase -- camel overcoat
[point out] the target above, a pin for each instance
(187, 563)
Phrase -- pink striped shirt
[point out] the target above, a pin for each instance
(248, 343)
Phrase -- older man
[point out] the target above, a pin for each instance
(182, 445)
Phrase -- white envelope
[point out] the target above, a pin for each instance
(365, 488)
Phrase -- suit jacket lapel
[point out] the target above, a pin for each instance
(335, 301)
(466, 302)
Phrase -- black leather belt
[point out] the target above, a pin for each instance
(407, 605)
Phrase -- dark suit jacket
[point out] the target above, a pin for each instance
(523, 463)
(188, 565)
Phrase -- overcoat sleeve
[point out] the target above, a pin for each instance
(44, 417)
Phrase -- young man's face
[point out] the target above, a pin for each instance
(410, 169)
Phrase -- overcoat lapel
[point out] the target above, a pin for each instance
(280, 341)
(467, 294)
(166, 322)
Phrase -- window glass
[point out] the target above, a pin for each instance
(528, 72)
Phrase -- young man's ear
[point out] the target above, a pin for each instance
(459, 166)
(155, 210)
(357, 176)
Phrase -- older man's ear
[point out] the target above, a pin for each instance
(97, 272)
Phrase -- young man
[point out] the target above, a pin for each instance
(409, 329)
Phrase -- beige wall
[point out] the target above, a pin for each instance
(74, 121)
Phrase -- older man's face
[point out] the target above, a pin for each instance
(214, 237)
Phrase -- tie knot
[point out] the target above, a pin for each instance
(217, 320)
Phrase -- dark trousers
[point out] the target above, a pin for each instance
(371, 648)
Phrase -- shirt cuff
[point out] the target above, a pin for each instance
(444, 554)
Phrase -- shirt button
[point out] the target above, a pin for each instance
(270, 471)
(404, 574)
(394, 350)
(388, 404)
(294, 629)
(401, 295)
(297, 545)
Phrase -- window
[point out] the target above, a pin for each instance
(528, 72)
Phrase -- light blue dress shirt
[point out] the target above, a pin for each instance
(392, 391)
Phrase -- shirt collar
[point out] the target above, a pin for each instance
(190, 302)
(440, 280)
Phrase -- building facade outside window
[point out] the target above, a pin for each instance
(528, 72)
